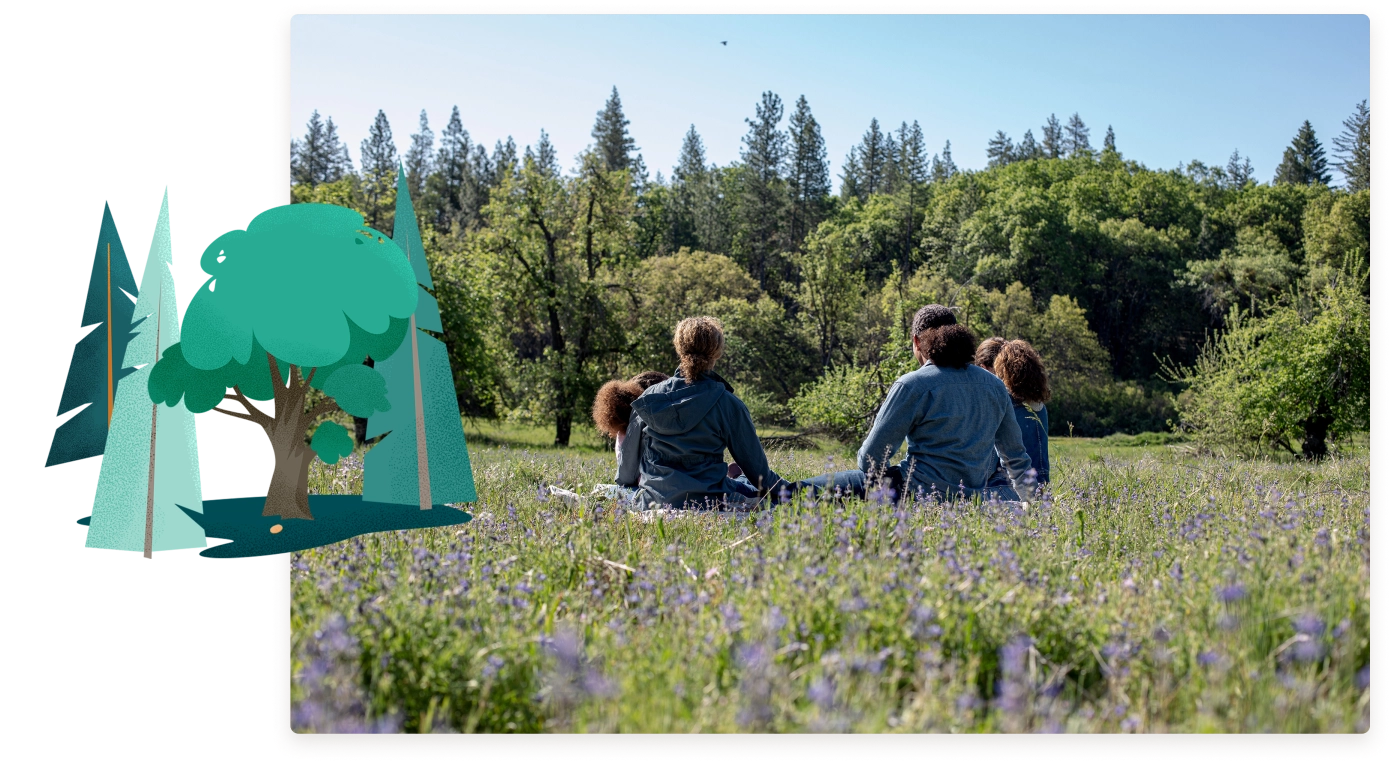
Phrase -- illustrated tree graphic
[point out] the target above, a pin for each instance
(98, 359)
(296, 301)
(423, 460)
(151, 463)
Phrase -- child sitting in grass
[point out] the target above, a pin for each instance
(1021, 369)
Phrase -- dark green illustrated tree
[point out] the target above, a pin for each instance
(96, 368)
(296, 301)
(423, 460)
(1305, 161)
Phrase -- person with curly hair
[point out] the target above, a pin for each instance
(956, 419)
(1021, 368)
(613, 417)
(688, 421)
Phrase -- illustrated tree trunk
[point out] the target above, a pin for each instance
(1315, 432)
(288, 494)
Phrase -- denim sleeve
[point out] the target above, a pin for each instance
(1044, 470)
(747, 451)
(890, 428)
(629, 459)
(1008, 443)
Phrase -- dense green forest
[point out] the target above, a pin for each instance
(1129, 280)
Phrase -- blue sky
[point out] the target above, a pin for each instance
(1175, 88)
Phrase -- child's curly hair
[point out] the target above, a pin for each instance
(948, 345)
(1021, 368)
(648, 379)
(613, 403)
(613, 406)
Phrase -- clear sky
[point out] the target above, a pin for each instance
(1175, 88)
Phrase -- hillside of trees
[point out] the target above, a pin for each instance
(551, 280)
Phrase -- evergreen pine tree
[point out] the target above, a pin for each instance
(1109, 146)
(1238, 170)
(764, 194)
(1305, 162)
(852, 176)
(379, 165)
(943, 168)
(1052, 146)
(1353, 149)
(452, 170)
(891, 179)
(912, 155)
(150, 470)
(310, 161)
(610, 135)
(1076, 136)
(544, 158)
(688, 182)
(1000, 150)
(503, 161)
(873, 160)
(809, 177)
(417, 158)
(1027, 148)
(97, 367)
(340, 163)
(424, 459)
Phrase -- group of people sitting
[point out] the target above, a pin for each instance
(972, 418)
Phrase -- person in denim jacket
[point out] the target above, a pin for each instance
(955, 418)
(685, 424)
(1021, 369)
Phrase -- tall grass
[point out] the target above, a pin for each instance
(1153, 592)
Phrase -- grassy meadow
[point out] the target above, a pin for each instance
(1156, 590)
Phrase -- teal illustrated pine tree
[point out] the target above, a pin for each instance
(424, 458)
(98, 359)
(151, 463)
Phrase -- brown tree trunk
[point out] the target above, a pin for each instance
(288, 494)
(1315, 432)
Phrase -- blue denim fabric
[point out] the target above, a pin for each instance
(1032, 426)
(958, 424)
(854, 483)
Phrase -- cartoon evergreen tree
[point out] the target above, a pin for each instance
(424, 459)
(151, 463)
(98, 359)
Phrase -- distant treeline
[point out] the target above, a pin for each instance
(552, 280)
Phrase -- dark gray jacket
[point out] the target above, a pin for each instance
(676, 439)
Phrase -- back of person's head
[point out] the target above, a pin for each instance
(613, 406)
(699, 342)
(948, 346)
(1021, 368)
(931, 316)
(648, 379)
(987, 351)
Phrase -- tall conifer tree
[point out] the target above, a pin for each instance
(1000, 150)
(610, 134)
(97, 366)
(1238, 170)
(1353, 149)
(418, 157)
(378, 169)
(809, 177)
(150, 470)
(1027, 148)
(1305, 162)
(1052, 142)
(764, 193)
(1076, 136)
(423, 460)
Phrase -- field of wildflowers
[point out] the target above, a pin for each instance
(1154, 591)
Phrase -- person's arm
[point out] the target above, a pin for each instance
(891, 427)
(1008, 444)
(747, 451)
(629, 459)
(1044, 472)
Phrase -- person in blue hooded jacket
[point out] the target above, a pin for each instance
(685, 424)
